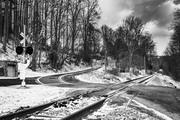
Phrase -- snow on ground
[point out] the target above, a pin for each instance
(121, 109)
(128, 76)
(98, 76)
(14, 97)
(169, 80)
(45, 72)
(71, 107)
(164, 80)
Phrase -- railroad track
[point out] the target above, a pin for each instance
(89, 109)
(25, 113)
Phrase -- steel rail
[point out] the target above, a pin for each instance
(31, 110)
(135, 79)
(128, 86)
(84, 111)
(89, 109)
(146, 79)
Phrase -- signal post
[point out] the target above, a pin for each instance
(22, 66)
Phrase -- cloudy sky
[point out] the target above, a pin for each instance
(156, 14)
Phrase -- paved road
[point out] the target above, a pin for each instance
(69, 80)
(51, 79)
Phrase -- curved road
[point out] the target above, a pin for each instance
(69, 80)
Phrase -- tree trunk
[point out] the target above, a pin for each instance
(106, 60)
(15, 23)
(10, 19)
(73, 40)
(51, 32)
(56, 39)
(41, 41)
(40, 51)
(67, 24)
(26, 17)
(35, 33)
(85, 42)
(34, 60)
(130, 60)
(145, 63)
(45, 16)
(1, 25)
(21, 15)
(6, 16)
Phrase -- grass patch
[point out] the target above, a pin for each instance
(150, 113)
(164, 96)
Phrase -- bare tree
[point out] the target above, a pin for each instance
(147, 47)
(35, 34)
(133, 28)
(75, 9)
(90, 15)
(66, 24)
(105, 31)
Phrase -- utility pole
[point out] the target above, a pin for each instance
(23, 83)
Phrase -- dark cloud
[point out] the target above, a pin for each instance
(154, 10)
(176, 1)
(148, 10)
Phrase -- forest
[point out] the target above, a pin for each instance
(170, 63)
(67, 31)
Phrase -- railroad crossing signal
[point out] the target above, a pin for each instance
(29, 50)
(20, 50)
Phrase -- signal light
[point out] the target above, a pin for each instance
(20, 50)
(29, 50)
